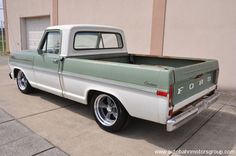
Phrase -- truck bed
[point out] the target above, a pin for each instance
(155, 72)
(146, 60)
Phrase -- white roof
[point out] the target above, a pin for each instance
(71, 26)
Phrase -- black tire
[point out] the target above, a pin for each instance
(121, 116)
(22, 83)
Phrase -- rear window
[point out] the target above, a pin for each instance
(97, 40)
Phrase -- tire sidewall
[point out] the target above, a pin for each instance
(122, 114)
(28, 88)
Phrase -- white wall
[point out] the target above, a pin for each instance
(133, 16)
(203, 29)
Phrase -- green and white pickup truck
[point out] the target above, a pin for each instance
(90, 64)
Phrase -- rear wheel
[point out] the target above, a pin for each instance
(23, 84)
(109, 113)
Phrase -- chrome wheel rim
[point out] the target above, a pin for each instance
(22, 81)
(105, 110)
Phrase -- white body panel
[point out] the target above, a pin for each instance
(48, 81)
(27, 70)
(140, 104)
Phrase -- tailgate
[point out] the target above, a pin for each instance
(194, 81)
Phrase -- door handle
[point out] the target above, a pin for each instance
(55, 61)
(58, 60)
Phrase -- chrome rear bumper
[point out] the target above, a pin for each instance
(190, 112)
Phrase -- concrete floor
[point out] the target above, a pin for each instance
(45, 124)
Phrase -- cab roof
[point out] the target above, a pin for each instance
(83, 26)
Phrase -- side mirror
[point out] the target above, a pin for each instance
(40, 51)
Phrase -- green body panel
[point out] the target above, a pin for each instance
(45, 61)
(191, 71)
(24, 57)
(132, 74)
(33, 59)
(199, 85)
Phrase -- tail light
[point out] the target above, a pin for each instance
(170, 96)
(165, 94)
(160, 93)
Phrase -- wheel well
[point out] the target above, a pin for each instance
(15, 72)
(91, 93)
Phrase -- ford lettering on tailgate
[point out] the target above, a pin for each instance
(188, 88)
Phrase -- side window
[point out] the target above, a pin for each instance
(52, 43)
(97, 40)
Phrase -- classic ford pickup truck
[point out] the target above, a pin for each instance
(90, 64)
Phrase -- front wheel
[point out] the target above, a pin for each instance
(109, 113)
(23, 84)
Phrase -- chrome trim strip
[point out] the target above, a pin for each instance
(190, 113)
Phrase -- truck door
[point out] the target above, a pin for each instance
(46, 63)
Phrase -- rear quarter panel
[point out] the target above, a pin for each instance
(134, 85)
